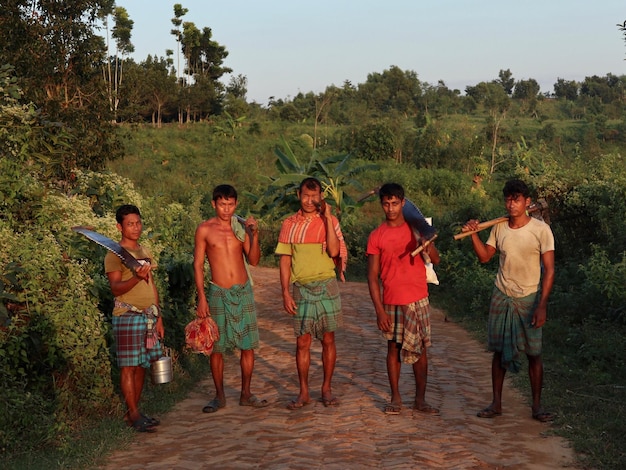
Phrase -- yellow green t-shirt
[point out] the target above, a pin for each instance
(309, 261)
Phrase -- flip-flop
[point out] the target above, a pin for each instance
(254, 402)
(152, 421)
(214, 405)
(332, 401)
(391, 409)
(488, 412)
(427, 409)
(543, 416)
(296, 405)
(143, 425)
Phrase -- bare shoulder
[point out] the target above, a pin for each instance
(205, 228)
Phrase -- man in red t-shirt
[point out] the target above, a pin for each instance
(403, 311)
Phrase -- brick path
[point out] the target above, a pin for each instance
(356, 434)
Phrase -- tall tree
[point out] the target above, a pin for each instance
(177, 21)
(57, 57)
(566, 89)
(121, 34)
(506, 80)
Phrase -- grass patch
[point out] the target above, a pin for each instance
(90, 445)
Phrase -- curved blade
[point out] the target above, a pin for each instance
(127, 259)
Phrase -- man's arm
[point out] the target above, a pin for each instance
(251, 245)
(285, 274)
(547, 281)
(373, 272)
(199, 253)
(332, 241)
(119, 287)
(483, 251)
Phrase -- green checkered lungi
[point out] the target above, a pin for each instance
(319, 308)
(510, 329)
(235, 314)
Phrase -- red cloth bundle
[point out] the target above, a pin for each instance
(201, 334)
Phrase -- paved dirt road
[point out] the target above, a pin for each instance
(356, 434)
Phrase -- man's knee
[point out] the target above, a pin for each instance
(304, 341)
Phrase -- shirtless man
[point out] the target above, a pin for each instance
(225, 243)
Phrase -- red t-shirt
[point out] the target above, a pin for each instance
(403, 276)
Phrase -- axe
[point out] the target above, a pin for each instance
(540, 207)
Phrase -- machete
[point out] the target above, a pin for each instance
(122, 253)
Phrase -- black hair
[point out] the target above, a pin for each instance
(390, 190)
(124, 210)
(515, 188)
(310, 183)
(224, 191)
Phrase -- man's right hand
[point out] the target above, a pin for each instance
(289, 304)
(383, 321)
(202, 310)
(143, 272)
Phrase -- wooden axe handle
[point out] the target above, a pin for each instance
(538, 206)
(482, 226)
(420, 248)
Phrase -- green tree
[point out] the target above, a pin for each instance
(566, 89)
(121, 34)
(506, 80)
(57, 58)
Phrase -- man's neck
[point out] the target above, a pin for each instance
(130, 244)
(396, 222)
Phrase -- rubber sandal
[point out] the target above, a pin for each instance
(143, 425)
(488, 412)
(214, 405)
(254, 402)
(332, 401)
(297, 405)
(427, 409)
(391, 409)
(151, 420)
(543, 416)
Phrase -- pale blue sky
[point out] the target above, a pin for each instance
(285, 47)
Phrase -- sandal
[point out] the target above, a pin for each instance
(151, 420)
(488, 412)
(392, 409)
(214, 405)
(254, 402)
(143, 425)
(296, 405)
(332, 401)
(543, 416)
(426, 409)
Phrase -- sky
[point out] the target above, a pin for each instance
(287, 47)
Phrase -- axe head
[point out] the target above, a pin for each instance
(539, 210)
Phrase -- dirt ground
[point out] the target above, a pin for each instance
(355, 434)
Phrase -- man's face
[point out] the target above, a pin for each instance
(516, 205)
(310, 199)
(131, 227)
(225, 207)
(392, 206)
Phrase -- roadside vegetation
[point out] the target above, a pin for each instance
(73, 146)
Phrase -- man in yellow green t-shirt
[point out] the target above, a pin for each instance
(311, 246)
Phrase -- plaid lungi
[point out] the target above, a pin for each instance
(319, 308)
(130, 341)
(510, 329)
(411, 328)
(235, 314)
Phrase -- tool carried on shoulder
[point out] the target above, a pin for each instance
(122, 253)
(538, 210)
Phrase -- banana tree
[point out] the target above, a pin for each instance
(335, 173)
